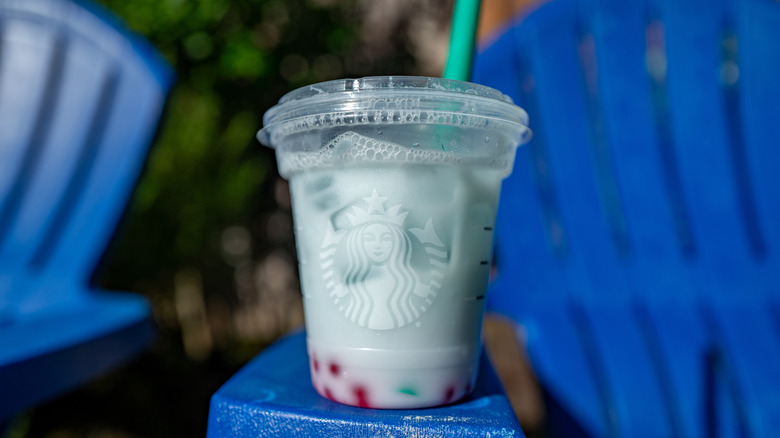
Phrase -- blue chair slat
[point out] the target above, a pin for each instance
(25, 61)
(620, 38)
(528, 236)
(700, 126)
(131, 119)
(88, 97)
(561, 97)
(633, 135)
(273, 396)
(680, 341)
(758, 25)
(748, 338)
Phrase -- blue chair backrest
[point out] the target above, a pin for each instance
(638, 238)
(80, 100)
(79, 103)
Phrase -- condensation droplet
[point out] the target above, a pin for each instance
(487, 139)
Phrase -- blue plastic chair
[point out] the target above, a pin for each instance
(80, 100)
(638, 238)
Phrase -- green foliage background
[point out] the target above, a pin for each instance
(206, 168)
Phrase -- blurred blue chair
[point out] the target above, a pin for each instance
(80, 100)
(638, 242)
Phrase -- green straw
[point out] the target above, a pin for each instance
(462, 38)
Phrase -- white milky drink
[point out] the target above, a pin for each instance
(395, 183)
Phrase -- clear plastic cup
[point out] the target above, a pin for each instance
(395, 183)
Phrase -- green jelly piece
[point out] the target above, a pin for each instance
(407, 390)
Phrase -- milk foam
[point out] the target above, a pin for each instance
(351, 147)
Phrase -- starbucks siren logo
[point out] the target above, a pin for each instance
(372, 266)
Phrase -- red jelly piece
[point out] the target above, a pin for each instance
(335, 369)
(316, 365)
(362, 396)
(329, 394)
(449, 393)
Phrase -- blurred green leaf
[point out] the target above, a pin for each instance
(241, 59)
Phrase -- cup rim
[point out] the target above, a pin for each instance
(344, 97)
